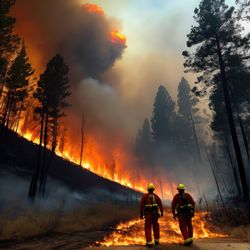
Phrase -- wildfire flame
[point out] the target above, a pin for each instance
(118, 38)
(94, 162)
(93, 8)
(132, 232)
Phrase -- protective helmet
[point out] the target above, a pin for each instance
(151, 186)
(181, 187)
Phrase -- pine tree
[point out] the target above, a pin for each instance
(52, 93)
(186, 109)
(217, 39)
(163, 117)
(17, 85)
(143, 144)
(8, 41)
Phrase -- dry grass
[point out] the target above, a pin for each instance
(242, 232)
(30, 222)
(233, 218)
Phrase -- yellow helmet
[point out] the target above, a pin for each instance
(151, 186)
(181, 187)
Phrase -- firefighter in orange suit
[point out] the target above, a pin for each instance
(151, 209)
(183, 208)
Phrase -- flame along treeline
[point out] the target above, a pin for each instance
(132, 232)
(94, 160)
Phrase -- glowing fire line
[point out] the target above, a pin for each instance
(132, 232)
(87, 165)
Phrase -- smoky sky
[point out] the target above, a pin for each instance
(62, 26)
(114, 86)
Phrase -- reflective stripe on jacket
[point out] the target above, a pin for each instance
(182, 202)
(149, 201)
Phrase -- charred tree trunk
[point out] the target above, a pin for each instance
(243, 132)
(52, 155)
(197, 146)
(19, 116)
(34, 180)
(6, 109)
(45, 139)
(2, 78)
(25, 122)
(12, 103)
(212, 167)
(231, 122)
(228, 153)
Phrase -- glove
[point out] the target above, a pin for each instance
(161, 214)
(174, 216)
(141, 216)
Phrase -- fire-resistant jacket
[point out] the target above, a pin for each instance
(150, 200)
(180, 201)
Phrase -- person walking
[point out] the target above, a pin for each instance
(183, 209)
(151, 209)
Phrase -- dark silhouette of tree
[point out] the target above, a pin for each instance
(18, 87)
(244, 9)
(52, 93)
(186, 109)
(8, 41)
(217, 39)
(143, 144)
(163, 117)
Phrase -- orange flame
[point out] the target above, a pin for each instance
(132, 232)
(118, 38)
(95, 162)
(93, 8)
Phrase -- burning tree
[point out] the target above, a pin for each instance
(52, 93)
(217, 40)
(18, 87)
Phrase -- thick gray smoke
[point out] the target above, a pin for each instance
(62, 26)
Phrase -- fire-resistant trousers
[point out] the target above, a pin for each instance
(151, 220)
(186, 227)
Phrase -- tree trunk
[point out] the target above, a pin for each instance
(10, 108)
(45, 138)
(243, 132)
(6, 108)
(19, 116)
(233, 168)
(231, 122)
(216, 180)
(198, 151)
(53, 148)
(33, 184)
(25, 122)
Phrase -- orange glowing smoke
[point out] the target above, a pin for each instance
(118, 38)
(132, 232)
(93, 8)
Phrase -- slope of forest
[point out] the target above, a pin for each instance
(20, 155)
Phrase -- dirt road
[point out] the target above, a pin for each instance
(200, 244)
(130, 236)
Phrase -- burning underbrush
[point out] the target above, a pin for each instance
(132, 232)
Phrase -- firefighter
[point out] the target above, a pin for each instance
(183, 204)
(151, 209)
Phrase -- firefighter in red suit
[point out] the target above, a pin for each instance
(151, 209)
(183, 208)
